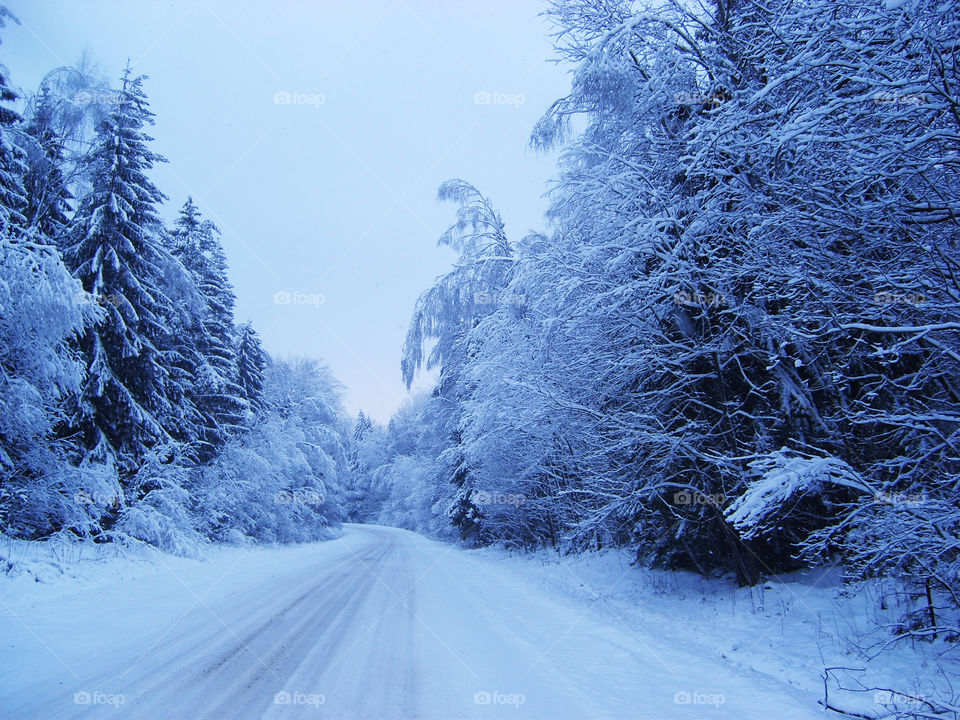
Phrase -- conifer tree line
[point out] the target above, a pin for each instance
(132, 405)
(737, 346)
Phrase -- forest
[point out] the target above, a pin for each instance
(133, 405)
(734, 349)
(737, 349)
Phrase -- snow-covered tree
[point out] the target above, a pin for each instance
(445, 315)
(304, 391)
(215, 386)
(47, 196)
(12, 167)
(747, 257)
(361, 428)
(395, 477)
(162, 516)
(74, 101)
(281, 480)
(115, 249)
(251, 364)
(42, 309)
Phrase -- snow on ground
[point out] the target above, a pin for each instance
(384, 623)
(790, 628)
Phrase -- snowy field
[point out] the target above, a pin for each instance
(384, 623)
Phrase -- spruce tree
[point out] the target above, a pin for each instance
(361, 429)
(12, 167)
(251, 364)
(114, 249)
(218, 396)
(47, 196)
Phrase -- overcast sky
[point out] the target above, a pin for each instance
(315, 134)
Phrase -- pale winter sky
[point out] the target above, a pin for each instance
(315, 134)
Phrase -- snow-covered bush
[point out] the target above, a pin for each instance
(281, 480)
(159, 514)
(780, 483)
(41, 310)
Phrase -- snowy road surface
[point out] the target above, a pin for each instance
(381, 623)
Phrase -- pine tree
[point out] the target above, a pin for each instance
(47, 196)
(361, 429)
(113, 248)
(218, 395)
(251, 365)
(12, 167)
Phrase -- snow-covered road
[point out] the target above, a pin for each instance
(381, 623)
